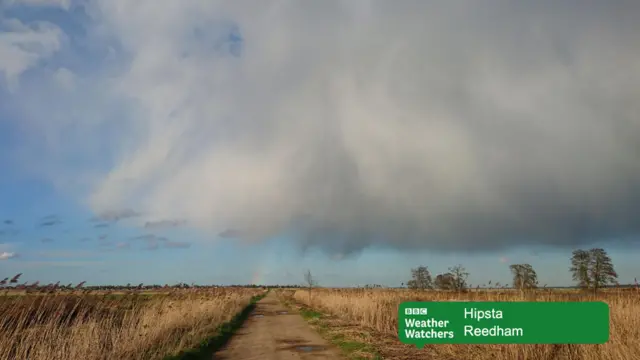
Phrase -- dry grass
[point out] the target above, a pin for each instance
(377, 310)
(91, 326)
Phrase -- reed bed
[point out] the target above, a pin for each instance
(377, 310)
(130, 325)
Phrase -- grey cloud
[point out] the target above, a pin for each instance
(413, 125)
(145, 237)
(164, 223)
(49, 220)
(115, 215)
(23, 46)
(176, 244)
(152, 242)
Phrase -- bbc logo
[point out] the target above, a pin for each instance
(415, 311)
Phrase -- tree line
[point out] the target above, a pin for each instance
(591, 270)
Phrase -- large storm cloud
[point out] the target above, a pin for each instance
(412, 124)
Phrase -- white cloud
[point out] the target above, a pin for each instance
(7, 255)
(22, 47)
(65, 78)
(414, 124)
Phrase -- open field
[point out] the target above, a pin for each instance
(375, 311)
(362, 323)
(124, 325)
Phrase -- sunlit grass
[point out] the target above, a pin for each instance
(377, 310)
(69, 325)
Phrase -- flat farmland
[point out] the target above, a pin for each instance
(123, 325)
(369, 317)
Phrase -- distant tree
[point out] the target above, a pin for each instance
(310, 282)
(524, 276)
(580, 263)
(601, 270)
(444, 281)
(593, 269)
(420, 279)
(460, 276)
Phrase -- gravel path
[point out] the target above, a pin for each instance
(273, 332)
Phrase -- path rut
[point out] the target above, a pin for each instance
(271, 334)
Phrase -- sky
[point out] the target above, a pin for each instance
(246, 142)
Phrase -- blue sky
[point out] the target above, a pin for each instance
(397, 146)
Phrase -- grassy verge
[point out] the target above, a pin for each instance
(348, 340)
(222, 335)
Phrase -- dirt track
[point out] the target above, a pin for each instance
(276, 336)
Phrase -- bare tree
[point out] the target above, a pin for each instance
(310, 282)
(421, 279)
(460, 276)
(524, 276)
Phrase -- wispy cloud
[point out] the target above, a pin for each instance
(7, 255)
(123, 245)
(17, 54)
(144, 237)
(65, 254)
(50, 220)
(164, 223)
(115, 215)
(176, 244)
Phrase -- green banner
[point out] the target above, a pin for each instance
(449, 322)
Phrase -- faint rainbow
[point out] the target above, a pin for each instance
(258, 276)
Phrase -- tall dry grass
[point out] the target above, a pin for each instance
(125, 327)
(377, 309)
